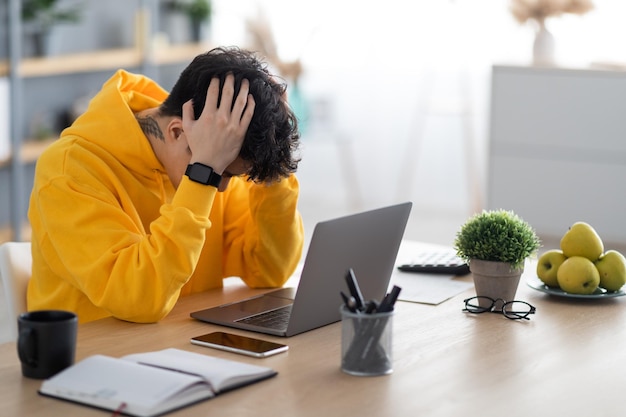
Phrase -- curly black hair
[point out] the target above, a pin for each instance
(272, 138)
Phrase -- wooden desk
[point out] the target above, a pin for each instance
(567, 360)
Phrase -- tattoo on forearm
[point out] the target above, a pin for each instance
(150, 127)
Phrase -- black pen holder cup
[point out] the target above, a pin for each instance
(366, 348)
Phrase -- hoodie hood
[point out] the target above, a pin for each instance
(110, 123)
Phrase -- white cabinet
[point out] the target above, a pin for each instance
(557, 151)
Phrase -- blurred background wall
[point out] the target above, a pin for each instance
(393, 97)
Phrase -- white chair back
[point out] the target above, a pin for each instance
(15, 271)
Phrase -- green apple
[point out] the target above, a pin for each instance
(612, 269)
(548, 265)
(578, 275)
(582, 240)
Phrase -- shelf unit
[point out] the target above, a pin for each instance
(88, 62)
(103, 60)
(25, 151)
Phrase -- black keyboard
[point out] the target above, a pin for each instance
(436, 262)
(273, 319)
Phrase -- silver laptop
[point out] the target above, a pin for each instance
(367, 242)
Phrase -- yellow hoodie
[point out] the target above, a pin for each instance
(112, 237)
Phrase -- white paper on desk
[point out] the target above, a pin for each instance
(428, 288)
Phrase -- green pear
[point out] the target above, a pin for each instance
(578, 275)
(547, 266)
(582, 240)
(612, 269)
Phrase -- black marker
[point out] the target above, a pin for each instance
(390, 299)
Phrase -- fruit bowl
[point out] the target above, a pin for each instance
(536, 284)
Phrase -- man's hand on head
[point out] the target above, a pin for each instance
(215, 138)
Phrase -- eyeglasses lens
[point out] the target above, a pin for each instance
(478, 304)
(517, 309)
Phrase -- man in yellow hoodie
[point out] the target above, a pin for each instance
(149, 196)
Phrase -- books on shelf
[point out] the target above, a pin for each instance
(151, 383)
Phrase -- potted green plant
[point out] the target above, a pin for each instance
(39, 16)
(198, 12)
(496, 244)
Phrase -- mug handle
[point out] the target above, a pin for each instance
(27, 346)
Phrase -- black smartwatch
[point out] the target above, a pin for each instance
(203, 174)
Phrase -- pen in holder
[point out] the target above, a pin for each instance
(366, 342)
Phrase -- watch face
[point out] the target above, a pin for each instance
(203, 174)
(200, 173)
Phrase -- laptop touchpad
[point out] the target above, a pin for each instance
(253, 306)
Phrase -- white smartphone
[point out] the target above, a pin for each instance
(239, 344)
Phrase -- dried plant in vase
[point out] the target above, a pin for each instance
(538, 11)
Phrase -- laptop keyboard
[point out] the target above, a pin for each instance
(274, 319)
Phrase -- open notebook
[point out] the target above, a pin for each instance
(151, 383)
(367, 242)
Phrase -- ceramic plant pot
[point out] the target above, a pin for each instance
(496, 280)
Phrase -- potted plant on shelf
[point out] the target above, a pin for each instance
(39, 16)
(198, 12)
(496, 244)
(538, 11)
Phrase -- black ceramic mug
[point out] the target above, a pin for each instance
(46, 342)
